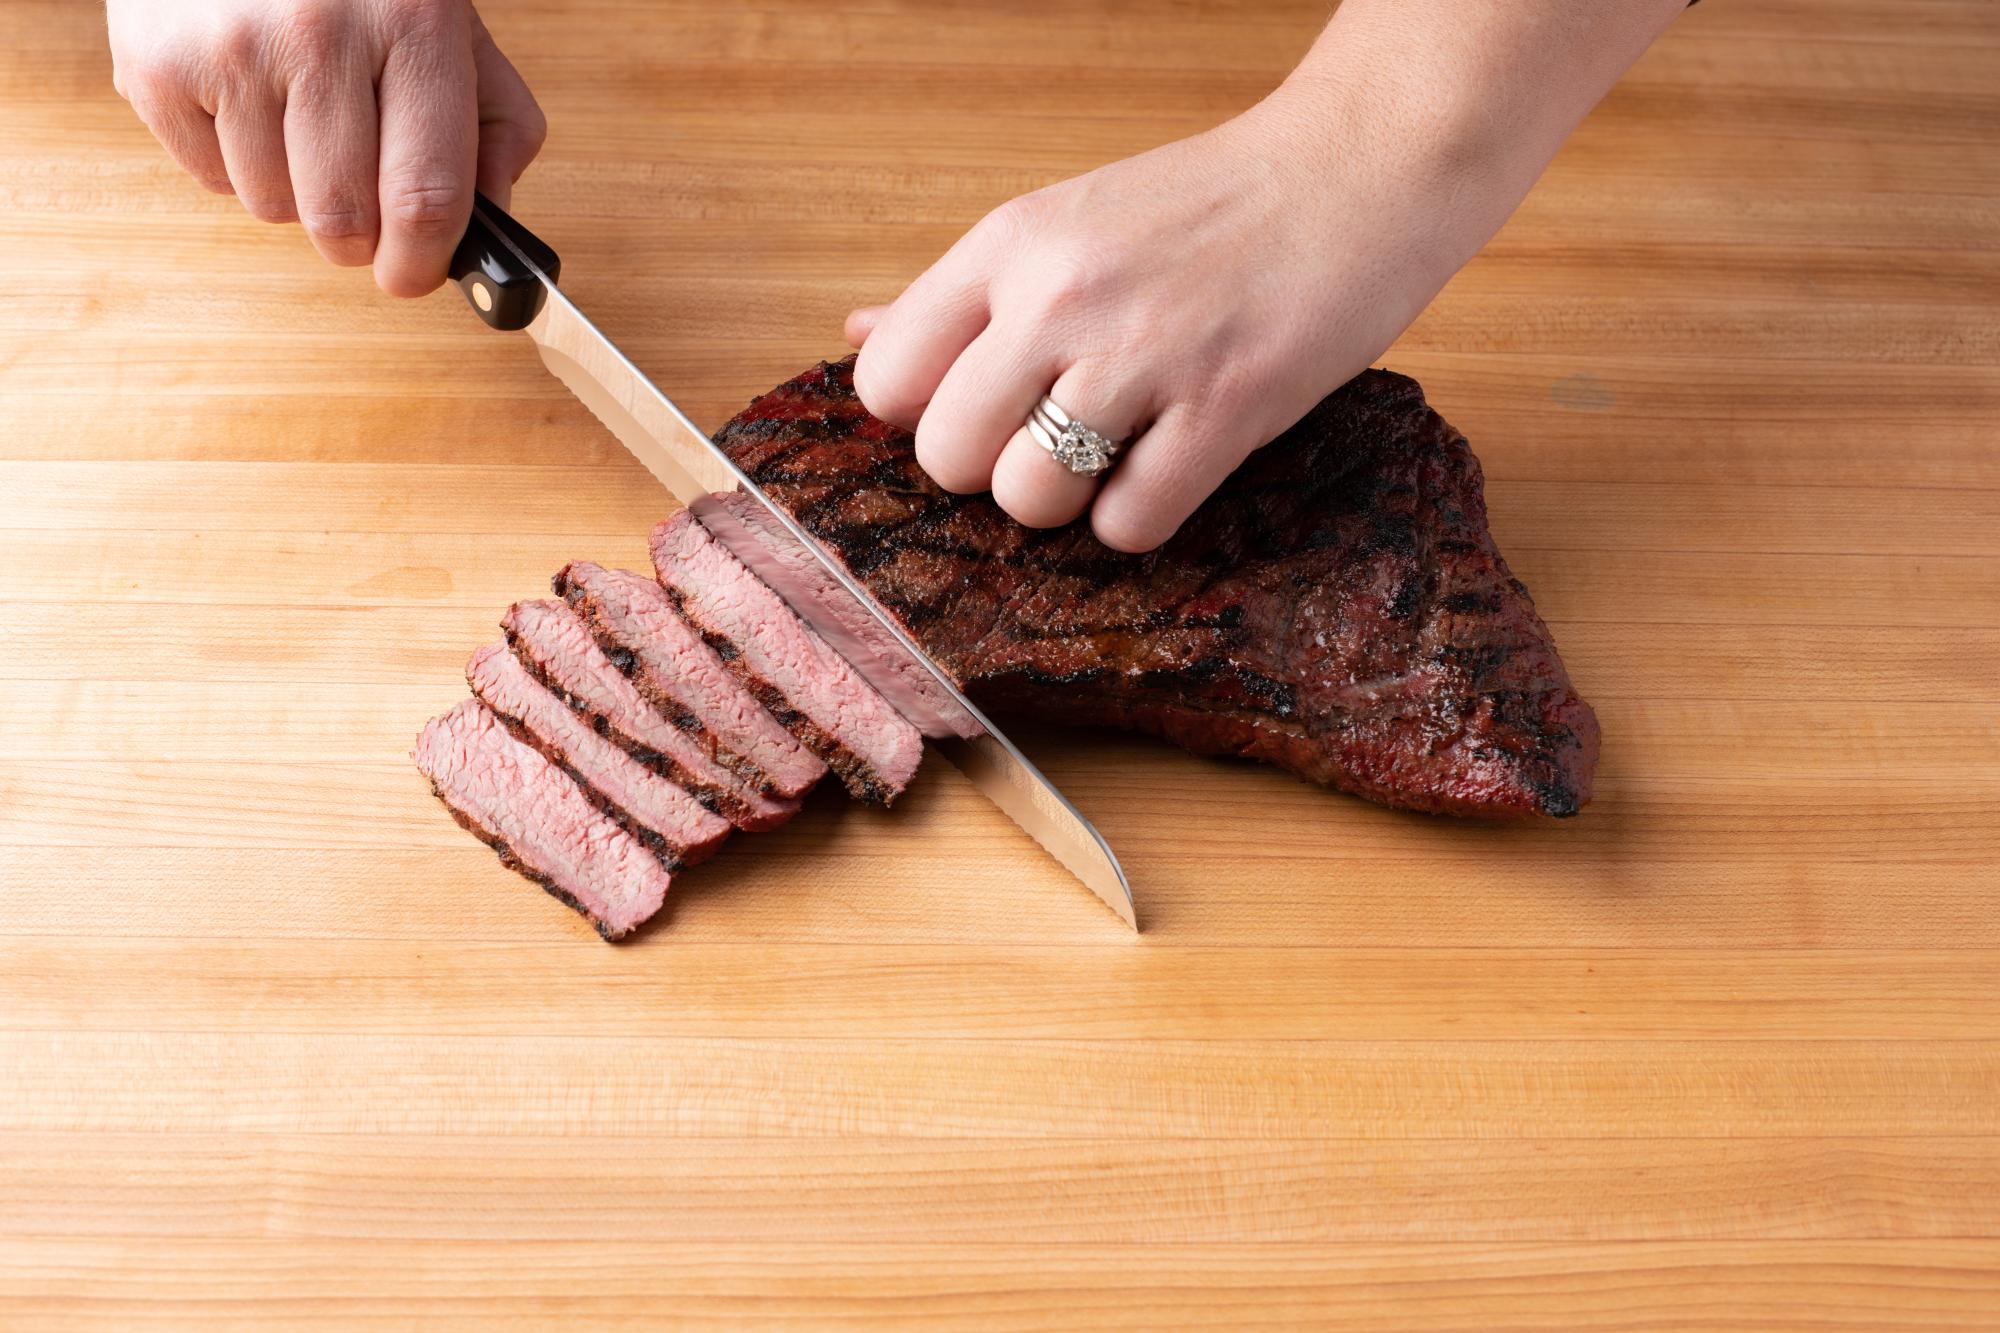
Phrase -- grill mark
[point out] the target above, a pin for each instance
(1372, 480)
(855, 773)
(650, 838)
(712, 797)
(590, 610)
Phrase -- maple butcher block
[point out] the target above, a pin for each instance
(280, 1045)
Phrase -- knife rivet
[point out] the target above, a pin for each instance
(482, 295)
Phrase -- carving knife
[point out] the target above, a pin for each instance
(508, 276)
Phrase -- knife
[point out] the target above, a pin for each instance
(508, 276)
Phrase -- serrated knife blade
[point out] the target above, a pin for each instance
(509, 277)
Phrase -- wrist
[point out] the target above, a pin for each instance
(1433, 126)
(1428, 179)
(1468, 89)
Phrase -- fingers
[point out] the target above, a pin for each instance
(511, 125)
(370, 122)
(187, 133)
(984, 397)
(1030, 484)
(1170, 470)
(429, 153)
(330, 141)
(862, 322)
(250, 128)
(910, 347)
(166, 90)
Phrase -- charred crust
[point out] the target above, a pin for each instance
(1467, 603)
(863, 783)
(1472, 658)
(505, 852)
(721, 801)
(1081, 676)
(667, 853)
(1558, 801)
(1279, 697)
(591, 611)
(1339, 556)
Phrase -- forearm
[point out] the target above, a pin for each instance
(1467, 100)
(1198, 299)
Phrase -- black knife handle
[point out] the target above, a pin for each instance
(495, 267)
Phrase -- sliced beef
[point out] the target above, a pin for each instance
(676, 671)
(754, 535)
(809, 687)
(524, 807)
(659, 813)
(557, 649)
(1338, 607)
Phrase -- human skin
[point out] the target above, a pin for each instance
(1193, 301)
(1200, 298)
(369, 121)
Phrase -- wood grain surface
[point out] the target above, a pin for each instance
(281, 1047)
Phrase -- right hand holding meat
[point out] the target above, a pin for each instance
(370, 121)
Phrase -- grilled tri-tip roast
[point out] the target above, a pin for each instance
(1337, 608)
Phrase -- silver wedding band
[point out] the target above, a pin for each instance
(1071, 443)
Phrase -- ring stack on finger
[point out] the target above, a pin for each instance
(1070, 442)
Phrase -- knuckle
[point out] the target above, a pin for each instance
(271, 208)
(1122, 531)
(1067, 282)
(148, 82)
(425, 208)
(313, 32)
(876, 384)
(1012, 222)
(1035, 506)
(419, 18)
(516, 140)
(146, 97)
(534, 127)
(947, 465)
(1005, 231)
(530, 121)
(239, 47)
(339, 220)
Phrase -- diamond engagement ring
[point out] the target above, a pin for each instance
(1071, 443)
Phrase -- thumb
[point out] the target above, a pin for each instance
(511, 124)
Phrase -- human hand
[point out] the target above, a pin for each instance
(1195, 301)
(370, 121)
(1199, 299)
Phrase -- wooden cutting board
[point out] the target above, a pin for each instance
(280, 1046)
